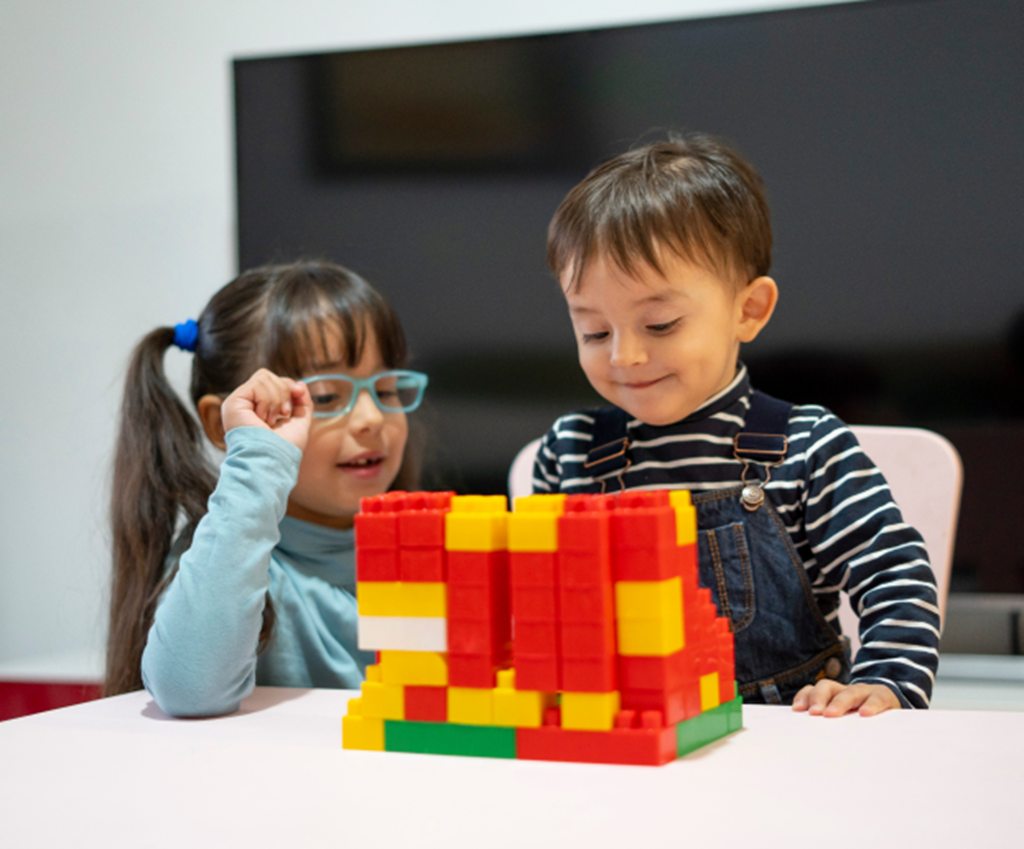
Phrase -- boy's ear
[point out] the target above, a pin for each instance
(209, 414)
(756, 303)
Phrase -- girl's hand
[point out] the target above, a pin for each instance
(830, 698)
(271, 402)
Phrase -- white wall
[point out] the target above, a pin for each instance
(117, 216)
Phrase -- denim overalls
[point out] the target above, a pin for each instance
(747, 559)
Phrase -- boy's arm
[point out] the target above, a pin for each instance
(547, 471)
(200, 655)
(862, 544)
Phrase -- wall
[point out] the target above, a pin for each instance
(117, 216)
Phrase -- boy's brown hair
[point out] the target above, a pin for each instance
(692, 194)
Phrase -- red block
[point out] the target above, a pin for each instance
(478, 568)
(584, 532)
(421, 564)
(589, 503)
(653, 673)
(472, 636)
(646, 527)
(469, 602)
(627, 719)
(376, 530)
(586, 604)
(421, 528)
(587, 640)
(588, 675)
(640, 746)
(670, 704)
(533, 568)
(426, 704)
(648, 564)
(471, 670)
(534, 604)
(536, 638)
(584, 569)
(536, 672)
(376, 564)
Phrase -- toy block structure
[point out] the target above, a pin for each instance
(573, 629)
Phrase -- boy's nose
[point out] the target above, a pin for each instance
(627, 350)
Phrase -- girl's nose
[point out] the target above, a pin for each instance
(365, 414)
(627, 350)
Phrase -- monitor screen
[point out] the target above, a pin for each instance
(887, 133)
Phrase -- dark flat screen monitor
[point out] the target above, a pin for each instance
(889, 136)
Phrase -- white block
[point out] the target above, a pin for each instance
(403, 633)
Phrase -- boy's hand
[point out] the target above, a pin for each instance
(271, 402)
(830, 698)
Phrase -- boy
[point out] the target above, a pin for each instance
(663, 254)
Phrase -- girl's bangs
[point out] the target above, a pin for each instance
(321, 315)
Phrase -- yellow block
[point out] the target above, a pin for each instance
(649, 599)
(479, 504)
(590, 711)
(373, 673)
(709, 691)
(649, 637)
(470, 705)
(519, 708)
(359, 732)
(383, 701)
(533, 531)
(686, 517)
(542, 503)
(476, 531)
(418, 668)
(402, 598)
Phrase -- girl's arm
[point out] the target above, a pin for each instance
(200, 655)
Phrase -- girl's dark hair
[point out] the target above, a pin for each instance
(693, 195)
(281, 317)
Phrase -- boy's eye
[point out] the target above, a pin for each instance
(595, 337)
(663, 327)
(324, 400)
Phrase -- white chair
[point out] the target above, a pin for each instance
(924, 474)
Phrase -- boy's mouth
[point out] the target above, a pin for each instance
(642, 384)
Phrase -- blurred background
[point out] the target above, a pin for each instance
(148, 152)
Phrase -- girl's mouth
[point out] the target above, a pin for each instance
(366, 466)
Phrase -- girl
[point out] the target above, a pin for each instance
(220, 584)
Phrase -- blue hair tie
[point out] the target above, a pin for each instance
(185, 335)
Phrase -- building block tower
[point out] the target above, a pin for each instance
(572, 629)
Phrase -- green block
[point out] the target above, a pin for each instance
(446, 738)
(735, 711)
(709, 726)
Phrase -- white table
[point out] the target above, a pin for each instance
(119, 773)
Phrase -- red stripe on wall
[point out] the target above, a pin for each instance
(21, 698)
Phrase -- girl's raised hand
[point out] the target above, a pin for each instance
(271, 402)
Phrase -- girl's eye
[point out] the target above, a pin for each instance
(663, 328)
(387, 393)
(324, 400)
(595, 337)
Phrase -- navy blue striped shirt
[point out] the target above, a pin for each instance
(834, 501)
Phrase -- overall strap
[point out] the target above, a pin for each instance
(763, 438)
(610, 452)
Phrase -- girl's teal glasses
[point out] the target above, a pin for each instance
(392, 392)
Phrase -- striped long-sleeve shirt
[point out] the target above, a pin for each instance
(834, 501)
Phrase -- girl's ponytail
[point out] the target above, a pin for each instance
(161, 479)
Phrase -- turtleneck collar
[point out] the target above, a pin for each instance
(326, 553)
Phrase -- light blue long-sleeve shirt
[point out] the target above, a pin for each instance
(201, 653)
